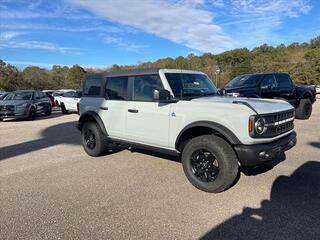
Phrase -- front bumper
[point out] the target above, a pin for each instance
(14, 114)
(253, 155)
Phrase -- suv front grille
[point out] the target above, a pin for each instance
(277, 124)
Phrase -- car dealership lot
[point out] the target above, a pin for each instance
(50, 189)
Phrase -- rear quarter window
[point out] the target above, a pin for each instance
(92, 87)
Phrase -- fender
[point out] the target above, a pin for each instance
(91, 115)
(213, 125)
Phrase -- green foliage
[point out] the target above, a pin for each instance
(301, 61)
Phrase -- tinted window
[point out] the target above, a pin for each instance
(269, 80)
(92, 87)
(19, 96)
(68, 94)
(116, 88)
(187, 84)
(143, 87)
(244, 81)
(284, 81)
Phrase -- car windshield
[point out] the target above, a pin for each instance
(19, 96)
(190, 85)
(244, 81)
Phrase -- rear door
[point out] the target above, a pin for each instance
(114, 106)
(147, 120)
(286, 88)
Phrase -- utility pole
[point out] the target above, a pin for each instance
(217, 73)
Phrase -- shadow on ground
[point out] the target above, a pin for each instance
(65, 133)
(293, 211)
(315, 144)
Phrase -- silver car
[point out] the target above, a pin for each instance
(24, 104)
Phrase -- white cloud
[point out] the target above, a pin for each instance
(11, 40)
(49, 65)
(176, 21)
(293, 8)
(120, 42)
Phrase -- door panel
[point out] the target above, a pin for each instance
(148, 122)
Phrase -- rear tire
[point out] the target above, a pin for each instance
(210, 163)
(94, 142)
(304, 110)
(32, 113)
(49, 110)
(63, 109)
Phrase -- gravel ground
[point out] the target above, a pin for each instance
(50, 189)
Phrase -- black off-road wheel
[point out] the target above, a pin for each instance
(32, 113)
(304, 109)
(94, 141)
(210, 163)
(63, 109)
(49, 110)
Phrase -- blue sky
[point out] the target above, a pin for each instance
(99, 33)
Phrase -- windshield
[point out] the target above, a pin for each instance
(190, 85)
(19, 96)
(244, 81)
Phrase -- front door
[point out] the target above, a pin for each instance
(147, 120)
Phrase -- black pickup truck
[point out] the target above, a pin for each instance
(273, 85)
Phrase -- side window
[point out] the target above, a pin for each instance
(269, 80)
(143, 87)
(43, 95)
(92, 87)
(284, 81)
(116, 88)
(37, 95)
(68, 94)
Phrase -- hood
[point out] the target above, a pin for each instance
(261, 106)
(13, 102)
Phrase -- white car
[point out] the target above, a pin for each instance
(57, 95)
(69, 101)
(180, 112)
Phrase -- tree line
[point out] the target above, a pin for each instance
(300, 60)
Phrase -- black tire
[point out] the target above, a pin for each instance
(63, 109)
(222, 164)
(32, 113)
(304, 110)
(94, 142)
(1, 119)
(49, 110)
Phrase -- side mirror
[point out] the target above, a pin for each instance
(161, 95)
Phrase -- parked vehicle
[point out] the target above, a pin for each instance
(276, 86)
(317, 89)
(69, 101)
(24, 104)
(51, 98)
(180, 112)
(57, 95)
(3, 95)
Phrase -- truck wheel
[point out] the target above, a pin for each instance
(1, 119)
(304, 109)
(49, 110)
(210, 163)
(32, 113)
(94, 142)
(63, 109)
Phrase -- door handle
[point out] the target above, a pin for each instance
(103, 108)
(133, 110)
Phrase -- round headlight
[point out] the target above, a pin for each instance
(260, 125)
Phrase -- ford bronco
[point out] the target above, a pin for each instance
(181, 112)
